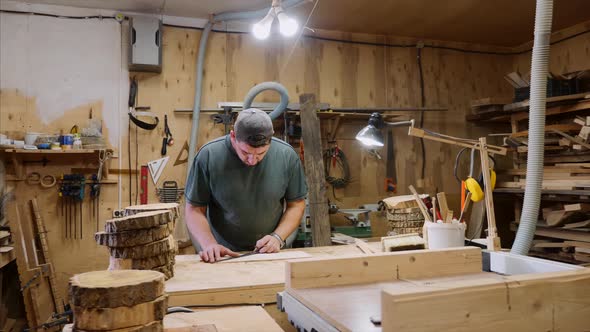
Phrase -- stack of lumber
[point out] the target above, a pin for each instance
(403, 215)
(126, 300)
(142, 241)
(567, 146)
(569, 226)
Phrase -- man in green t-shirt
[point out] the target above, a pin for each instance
(244, 191)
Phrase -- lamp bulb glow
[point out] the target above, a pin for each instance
(288, 26)
(261, 30)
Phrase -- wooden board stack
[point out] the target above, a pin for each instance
(125, 300)
(141, 241)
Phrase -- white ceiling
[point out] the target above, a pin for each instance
(497, 22)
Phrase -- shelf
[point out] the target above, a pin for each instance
(79, 151)
(21, 156)
(543, 192)
(559, 233)
(520, 111)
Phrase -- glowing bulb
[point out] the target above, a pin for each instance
(261, 30)
(288, 26)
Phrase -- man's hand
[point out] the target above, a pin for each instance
(214, 252)
(268, 244)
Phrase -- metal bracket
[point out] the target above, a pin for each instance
(226, 118)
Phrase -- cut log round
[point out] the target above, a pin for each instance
(132, 238)
(172, 207)
(145, 250)
(143, 263)
(111, 289)
(156, 326)
(138, 221)
(120, 317)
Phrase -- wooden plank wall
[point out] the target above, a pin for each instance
(570, 55)
(342, 74)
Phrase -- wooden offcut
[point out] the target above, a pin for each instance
(140, 220)
(111, 289)
(314, 172)
(560, 217)
(558, 301)
(144, 251)
(134, 237)
(120, 317)
(378, 267)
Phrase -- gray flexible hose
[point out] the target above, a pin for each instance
(229, 16)
(280, 108)
(534, 178)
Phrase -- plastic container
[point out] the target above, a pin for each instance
(30, 138)
(445, 235)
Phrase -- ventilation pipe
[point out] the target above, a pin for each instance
(230, 16)
(534, 178)
(280, 108)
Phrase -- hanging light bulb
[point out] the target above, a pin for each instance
(261, 29)
(288, 26)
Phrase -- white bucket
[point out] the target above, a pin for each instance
(445, 235)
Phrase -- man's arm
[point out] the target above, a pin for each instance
(196, 222)
(287, 225)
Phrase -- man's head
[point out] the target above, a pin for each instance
(251, 136)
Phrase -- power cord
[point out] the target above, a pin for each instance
(334, 157)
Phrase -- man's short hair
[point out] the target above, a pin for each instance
(253, 127)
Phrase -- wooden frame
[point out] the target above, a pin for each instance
(437, 290)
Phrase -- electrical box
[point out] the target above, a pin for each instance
(145, 44)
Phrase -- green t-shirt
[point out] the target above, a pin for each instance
(244, 202)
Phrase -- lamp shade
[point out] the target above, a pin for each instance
(370, 136)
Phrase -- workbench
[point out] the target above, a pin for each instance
(460, 289)
(254, 282)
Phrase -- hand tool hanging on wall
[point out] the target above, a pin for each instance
(143, 196)
(169, 193)
(72, 188)
(168, 140)
(156, 168)
(179, 159)
(134, 115)
(143, 110)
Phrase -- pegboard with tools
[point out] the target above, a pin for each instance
(71, 191)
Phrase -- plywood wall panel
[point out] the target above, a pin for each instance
(341, 74)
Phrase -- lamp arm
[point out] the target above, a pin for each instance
(400, 123)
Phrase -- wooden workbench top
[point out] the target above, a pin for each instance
(196, 283)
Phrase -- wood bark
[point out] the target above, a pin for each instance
(120, 317)
(138, 221)
(146, 250)
(143, 263)
(134, 237)
(111, 289)
(174, 208)
(156, 326)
